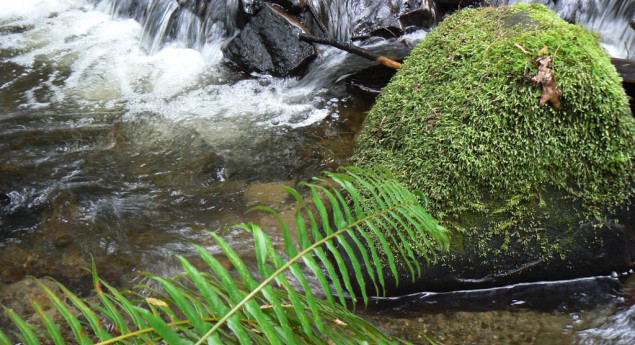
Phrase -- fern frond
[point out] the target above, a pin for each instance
(353, 227)
(383, 208)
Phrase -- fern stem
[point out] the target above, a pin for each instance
(173, 324)
(288, 264)
(149, 330)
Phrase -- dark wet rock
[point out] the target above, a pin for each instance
(368, 18)
(269, 44)
(590, 251)
(461, 3)
(294, 6)
(4, 200)
(572, 295)
(593, 250)
(418, 19)
(251, 6)
(369, 82)
(378, 18)
(626, 69)
(448, 6)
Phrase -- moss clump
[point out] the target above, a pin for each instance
(461, 122)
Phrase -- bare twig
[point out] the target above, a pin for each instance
(353, 49)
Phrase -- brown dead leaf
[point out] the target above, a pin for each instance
(550, 91)
(340, 323)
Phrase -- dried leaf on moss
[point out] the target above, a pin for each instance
(550, 90)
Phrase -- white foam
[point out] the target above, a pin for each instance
(12, 9)
(107, 67)
(226, 112)
(618, 329)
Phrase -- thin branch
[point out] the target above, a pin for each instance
(353, 49)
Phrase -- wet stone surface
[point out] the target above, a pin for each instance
(605, 324)
(19, 296)
(270, 194)
(483, 328)
(269, 44)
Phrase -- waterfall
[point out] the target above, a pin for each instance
(198, 23)
(187, 23)
(343, 17)
(159, 15)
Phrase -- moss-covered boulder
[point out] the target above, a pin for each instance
(529, 192)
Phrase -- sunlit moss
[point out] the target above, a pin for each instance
(461, 122)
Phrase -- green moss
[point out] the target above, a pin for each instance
(461, 122)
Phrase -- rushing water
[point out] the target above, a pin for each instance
(123, 134)
(111, 150)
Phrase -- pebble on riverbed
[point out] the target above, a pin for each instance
(271, 194)
(18, 297)
(494, 327)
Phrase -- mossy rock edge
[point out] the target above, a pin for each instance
(527, 192)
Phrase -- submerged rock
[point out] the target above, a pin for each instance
(271, 194)
(528, 192)
(19, 296)
(269, 43)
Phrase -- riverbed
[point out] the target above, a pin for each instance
(114, 146)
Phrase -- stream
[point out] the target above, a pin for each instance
(125, 135)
